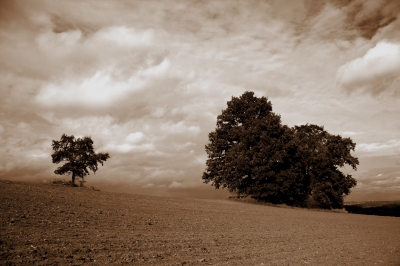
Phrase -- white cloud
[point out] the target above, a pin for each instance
(187, 184)
(124, 36)
(351, 133)
(392, 181)
(183, 146)
(135, 137)
(150, 185)
(92, 70)
(391, 147)
(378, 70)
(108, 38)
(181, 128)
(175, 184)
(102, 126)
(158, 112)
(97, 91)
(157, 70)
(127, 147)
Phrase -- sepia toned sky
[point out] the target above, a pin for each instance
(147, 79)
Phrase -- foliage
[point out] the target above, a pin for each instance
(240, 150)
(252, 154)
(78, 155)
(381, 208)
(320, 157)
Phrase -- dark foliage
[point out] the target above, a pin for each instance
(391, 209)
(320, 156)
(252, 154)
(240, 150)
(78, 155)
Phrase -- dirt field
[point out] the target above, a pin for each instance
(43, 224)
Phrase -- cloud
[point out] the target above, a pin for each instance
(184, 145)
(369, 16)
(377, 179)
(135, 137)
(376, 72)
(365, 18)
(147, 80)
(351, 133)
(96, 92)
(391, 147)
(393, 181)
(150, 185)
(387, 181)
(175, 185)
(181, 128)
(123, 36)
(183, 185)
(126, 148)
(101, 68)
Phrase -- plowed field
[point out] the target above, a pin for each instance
(44, 224)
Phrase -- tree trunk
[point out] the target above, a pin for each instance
(73, 178)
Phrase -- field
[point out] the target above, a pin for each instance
(45, 224)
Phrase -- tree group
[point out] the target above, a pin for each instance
(252, 154)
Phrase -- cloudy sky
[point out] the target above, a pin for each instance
(147, 79)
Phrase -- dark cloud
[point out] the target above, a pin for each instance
(342, 19)
(370, 16)
(12, 14)
(61, 23)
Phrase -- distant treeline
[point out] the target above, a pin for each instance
(389, 209)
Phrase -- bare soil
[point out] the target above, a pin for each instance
(44, 224)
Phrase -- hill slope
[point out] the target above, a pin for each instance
(48, 224)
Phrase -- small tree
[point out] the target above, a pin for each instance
(78, 155)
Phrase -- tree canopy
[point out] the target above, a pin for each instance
(252, 154)
(78, 155)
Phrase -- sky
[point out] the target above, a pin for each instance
(147, 80)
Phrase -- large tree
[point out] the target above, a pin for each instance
(285, 183)
(78, 155)
(252, 154)
(246, 146)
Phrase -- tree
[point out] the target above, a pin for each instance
(285, 184)
(246, 148)
(78, 155)
(252, 154)
(320, 156)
